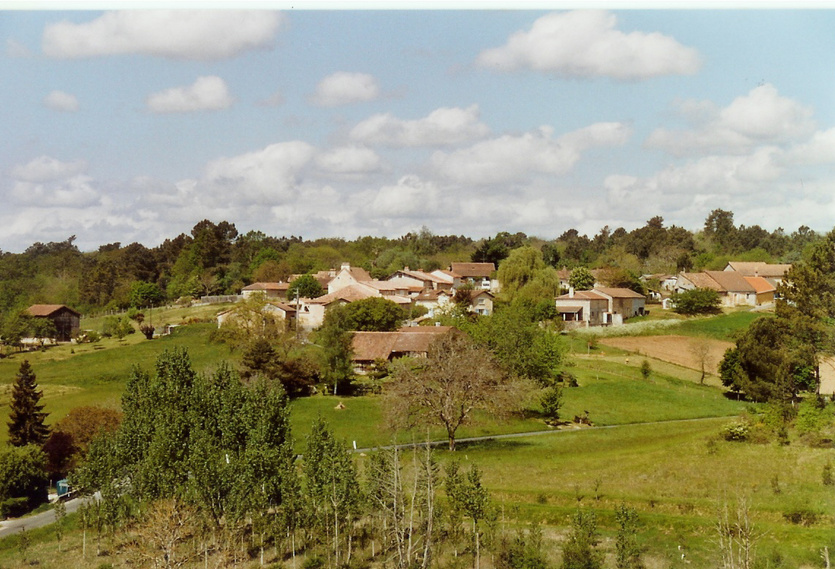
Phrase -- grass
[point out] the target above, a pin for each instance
(670, 475)
(675, 474)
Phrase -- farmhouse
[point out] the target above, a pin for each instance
(733, 288)
(600, 306)
(67, 321)
(369, 347)
(271, 291)
(475, 274)
(772, 272)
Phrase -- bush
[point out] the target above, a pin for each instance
(697, 301)
(737, 431)
(23, 479)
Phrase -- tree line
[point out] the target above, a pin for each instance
(215, 259)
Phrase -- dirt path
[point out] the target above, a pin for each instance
(677, 350)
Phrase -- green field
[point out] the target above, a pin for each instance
(655, 447)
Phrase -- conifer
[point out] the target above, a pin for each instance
(26, 425)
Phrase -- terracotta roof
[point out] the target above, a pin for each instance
(349, 293)
(466, 270)
(760, 284)
(48, 309)
(583, 295)
(354, 292)
(569, 309)
(731, 281)
(702, 280)
(419, 275)
(620, 292)
(759, 269)
(370, 346)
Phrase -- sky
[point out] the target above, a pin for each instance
(128, 125)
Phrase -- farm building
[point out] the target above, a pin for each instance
(67, 321)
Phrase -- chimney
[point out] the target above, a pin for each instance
(571, 292)
(346, 266)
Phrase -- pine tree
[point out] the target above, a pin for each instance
(26, 425)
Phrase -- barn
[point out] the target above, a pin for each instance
(67, 321)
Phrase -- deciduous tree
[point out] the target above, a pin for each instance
(456, 378)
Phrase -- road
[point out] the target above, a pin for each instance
(10, 527)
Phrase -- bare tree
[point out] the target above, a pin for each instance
(444, 389)
(700, 350)
(736, 535)
(163, 538)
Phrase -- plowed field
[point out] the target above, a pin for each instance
(679, 350)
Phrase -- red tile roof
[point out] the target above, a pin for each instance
(468, 270)
(48, 309)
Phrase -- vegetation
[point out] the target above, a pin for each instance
(27, 419)
(696, 301)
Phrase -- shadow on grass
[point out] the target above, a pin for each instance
(490, 444)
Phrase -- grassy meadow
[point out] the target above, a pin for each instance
(654, 446)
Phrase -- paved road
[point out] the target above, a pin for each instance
(10, 527)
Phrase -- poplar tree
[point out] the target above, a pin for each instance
(26, 424)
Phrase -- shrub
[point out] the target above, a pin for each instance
(697, 301)
(737, 431)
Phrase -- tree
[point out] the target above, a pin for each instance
(332, 488)
(579, 551)
(519, 268)
(467, 495)
(628, 551)
(145, 294)
(696, 301)
(551, 401)
(26, 420)
(23, 480)
(335, 337)
(445, 388)
(374, 314)
(517, 341)
(43, 329)
(305, 286)
(581, 279)
(700, 350)
(209, 440)
(767, 364)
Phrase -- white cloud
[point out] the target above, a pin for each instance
(762, 116)
(197, 35)
(46, 169)
(264, 177)
(586, 43)
(61, 101)
(441, 127)
(344, 88)
(510, 159)
(410, 197)
(74, 192)
(819, 149)
(349, 160)
(206, 94)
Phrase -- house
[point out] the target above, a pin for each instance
(67, 321)
(427, 281)
(765, 291)
(481, 302)
(433, 300)
(601, 306)
(346, 276)
(312, 310)
(476, 274)
(772, 272)
(623, 303)
(271, 291)
(369, 347)
(582, 307)
(731, 286)
(564, 274)
(277, 310)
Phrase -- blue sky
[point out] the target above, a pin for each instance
(133, 125)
